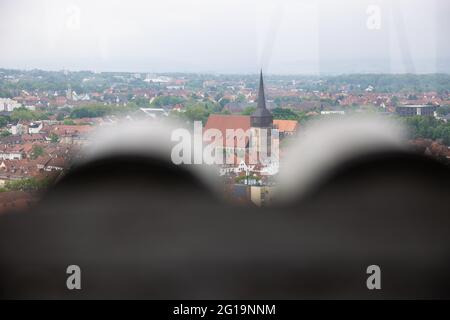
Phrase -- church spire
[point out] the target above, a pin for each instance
(261, 118)
(261, 97)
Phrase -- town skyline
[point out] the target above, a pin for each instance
(47, 118)
(215, 73)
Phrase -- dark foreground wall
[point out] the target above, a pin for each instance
(142, 228)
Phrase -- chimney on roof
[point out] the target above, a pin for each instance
(261, 118)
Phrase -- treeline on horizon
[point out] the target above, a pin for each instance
(87, 81)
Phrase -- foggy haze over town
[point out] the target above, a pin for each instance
(282, 37)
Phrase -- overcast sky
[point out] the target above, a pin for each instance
(232, 36)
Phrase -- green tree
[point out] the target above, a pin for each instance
(443, 111)
(28, 184)
(284, 114)
(240, 98)
(4, 133)
(395, 100)
(142, 102)
(223, 102)
(93, 111)
(197, 113)
(69, 122)
(100, 110)
(166, 101)
(428, 128)
(23, 114)
(248, 110)
(4, 120)
(54, 137)
(37, 151)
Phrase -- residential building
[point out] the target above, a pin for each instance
(415, 110)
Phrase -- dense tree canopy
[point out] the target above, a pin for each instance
(29, 184)
(429, 128)
(444, 110)
(28, 115)
(284, 114)
(166, 101)
(100, 110)
(4, 120)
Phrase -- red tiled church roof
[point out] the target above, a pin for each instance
(224, 122)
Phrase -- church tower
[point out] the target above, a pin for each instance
(261, 123)
(261, 118)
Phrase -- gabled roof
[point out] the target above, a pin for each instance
(285, 125)
(223, 122)
(233, 122)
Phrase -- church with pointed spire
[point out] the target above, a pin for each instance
(261, 134)
(261, 125)
(261, 118)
